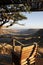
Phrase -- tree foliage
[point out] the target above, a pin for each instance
(12, 13)
(10, 10)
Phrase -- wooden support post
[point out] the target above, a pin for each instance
(13, 44)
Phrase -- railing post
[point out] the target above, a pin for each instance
(14, 42)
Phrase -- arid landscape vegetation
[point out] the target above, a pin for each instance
(5, 54)
(30, 38)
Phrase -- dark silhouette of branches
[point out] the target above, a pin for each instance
(11, 18)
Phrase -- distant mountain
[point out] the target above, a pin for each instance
(39, 33)
(18, 31)
(7, 31)
(28, 31)
(33, 33)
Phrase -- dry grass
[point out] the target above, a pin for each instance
(5, 49)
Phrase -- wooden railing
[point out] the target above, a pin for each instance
(26, 54)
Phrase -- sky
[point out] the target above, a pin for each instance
(34, 21)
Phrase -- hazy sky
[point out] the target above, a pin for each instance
(34, 20)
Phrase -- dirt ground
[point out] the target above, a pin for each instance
(39, 61)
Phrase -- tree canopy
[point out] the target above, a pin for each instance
(10, 10)
(12, 13)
